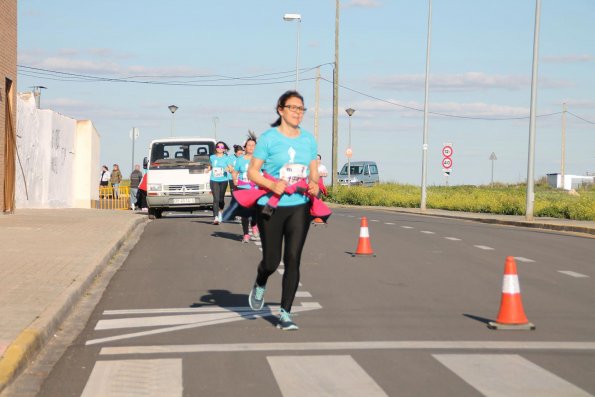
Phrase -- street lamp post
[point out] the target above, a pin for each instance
(349, 112)
(215, 121)
(335, 140)
(298, 18)
(172, 109)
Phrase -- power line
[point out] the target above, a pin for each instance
(579, 117)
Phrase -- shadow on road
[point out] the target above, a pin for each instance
(477, 318)
(237, 303)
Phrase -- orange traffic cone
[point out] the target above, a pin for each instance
(511, 315)
(318, 221)
(364, 248)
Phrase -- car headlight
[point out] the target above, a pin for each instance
(154, 187)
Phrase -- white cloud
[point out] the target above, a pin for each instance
(470, 81)
(568, 58)
(363, 4)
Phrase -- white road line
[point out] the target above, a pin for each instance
(299, 376)
(281, 271)
(374, 220)
(125, 378)
(372, 345)
(572, 274)
(452, 238)
(484, 247)
(426, 232)
(508, 375)
(388, 223)
(258, 243)
(407, 227)
(303, 294)
(523, 259)
(268, 311)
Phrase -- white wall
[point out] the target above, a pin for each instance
(58, 164)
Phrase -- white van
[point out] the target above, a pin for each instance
(178, 175)
(362, 173)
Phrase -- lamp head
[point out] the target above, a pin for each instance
(292, 17)
(172, 108)
(350, 111)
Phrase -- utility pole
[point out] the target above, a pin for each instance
(531, 157)
(336, 97)
(424, 162)
(317, 100)
(493, 158)
(562, 163)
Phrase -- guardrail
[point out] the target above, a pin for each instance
(113, 198)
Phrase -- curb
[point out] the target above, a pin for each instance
(537, 224)
(33, 338)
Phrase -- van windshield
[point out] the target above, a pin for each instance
(355, 170)
(176, 154)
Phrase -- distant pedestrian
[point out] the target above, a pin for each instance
(322, 171)
(288, 153)
(141, 195)
(115, 180)
(105, 176)
(240, 179)
(220, 167)
(135, 177)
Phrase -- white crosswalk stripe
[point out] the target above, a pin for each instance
(299, 376)
(508, 375)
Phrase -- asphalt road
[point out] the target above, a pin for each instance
(411, 321)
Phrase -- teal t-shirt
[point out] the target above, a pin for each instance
(286, 158)
(219, 167)
(241, 166)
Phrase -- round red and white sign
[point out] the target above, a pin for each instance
(447, 151)
(447, 162)
(348, 153)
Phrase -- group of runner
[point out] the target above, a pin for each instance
(284, 156)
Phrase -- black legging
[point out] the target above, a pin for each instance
(289, 224)
(218, 189)
(248, 221)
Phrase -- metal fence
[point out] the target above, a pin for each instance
(113, 198)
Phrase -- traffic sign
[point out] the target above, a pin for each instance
(348, 152)
(135, 131)
(447, 163)
(447, 150)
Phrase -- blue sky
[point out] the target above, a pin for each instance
(481, 59)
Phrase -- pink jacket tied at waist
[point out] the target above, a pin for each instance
(248, 197)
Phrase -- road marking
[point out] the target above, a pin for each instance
(281, 271)
(572, 274)
(407, 227)
(452, 238)
(299, 376)
(374, 220)
(371, 345)
(204, 320)
(484, 247)
(388, 223)
(427, 232)
(507, 375)
(125, 378)
(303, 294)
(258, 243)
(522, 259)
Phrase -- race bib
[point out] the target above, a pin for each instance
(291, 173)
(218, 172)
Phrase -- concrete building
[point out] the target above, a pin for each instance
(8, 83)
(58, 158)
(570, 181)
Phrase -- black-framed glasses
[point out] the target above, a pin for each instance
(296, 109)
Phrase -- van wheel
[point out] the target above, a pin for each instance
(152, 214)
(158, 214)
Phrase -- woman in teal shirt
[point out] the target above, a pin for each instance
(287, 153)
(220, 166)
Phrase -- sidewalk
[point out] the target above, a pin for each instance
(48, 258)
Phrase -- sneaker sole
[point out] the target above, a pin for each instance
(290, 328)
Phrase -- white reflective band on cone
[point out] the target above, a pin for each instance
(363, 232)
(510, 284)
